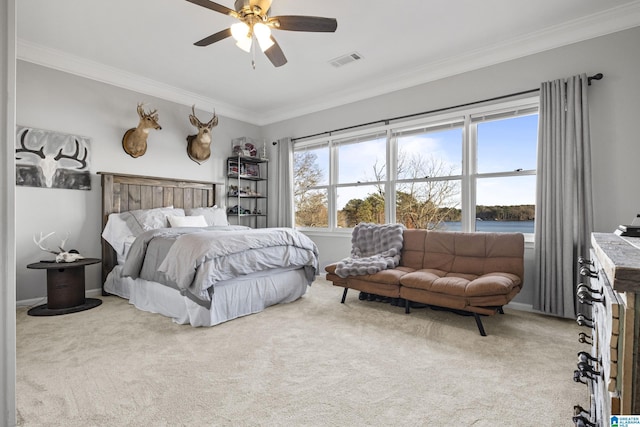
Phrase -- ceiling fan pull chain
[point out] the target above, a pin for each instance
(253, 51)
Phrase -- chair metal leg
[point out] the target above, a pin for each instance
(407, 305)
(500, 310)
(479, 323)
(344, 295)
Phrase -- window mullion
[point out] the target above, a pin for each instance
(392, 176)
(332, 192)
(469, 168)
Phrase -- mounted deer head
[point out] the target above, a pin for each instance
(199, 146)
(134, 140)
(62, 255)
(49, 164)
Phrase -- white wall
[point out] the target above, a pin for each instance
(615, 108)
(58, 101)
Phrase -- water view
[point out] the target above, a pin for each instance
(494, 226)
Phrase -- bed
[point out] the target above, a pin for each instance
(168, 249)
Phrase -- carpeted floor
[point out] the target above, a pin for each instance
(314, 362)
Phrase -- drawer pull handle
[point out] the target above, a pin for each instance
(584, 321)
(579, 410)
(582, 261)
(584, 338)
(582, 421)
(577, 377)
(586, 298)
(585, 271)
(588, 371)
(585, 357)
(587, 288)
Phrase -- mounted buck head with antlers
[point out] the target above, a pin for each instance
(134, 140)
(199, 146)
(62, 255)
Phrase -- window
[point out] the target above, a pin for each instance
(429, 172)
(469, 170)
(311, 183)
(360, 194)
(506, 166)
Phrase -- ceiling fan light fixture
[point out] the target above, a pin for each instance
(263, 34)
(240, 31)
(255, 23)
(244, 44)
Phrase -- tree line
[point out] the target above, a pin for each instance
(418, 205)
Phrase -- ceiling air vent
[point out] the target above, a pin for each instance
(346, 59)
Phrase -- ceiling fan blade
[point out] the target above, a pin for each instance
(275, 54)
(304, 23)
(220, 35)
(215, 6)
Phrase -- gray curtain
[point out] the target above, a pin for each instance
(564, 212)
(284, 184)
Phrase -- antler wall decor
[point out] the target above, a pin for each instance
(134, 141)
(199, 145)
(51, 159)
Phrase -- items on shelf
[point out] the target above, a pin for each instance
(243, 192)
(244, 170)
(239, 210)
(244, 146)
(247, 179)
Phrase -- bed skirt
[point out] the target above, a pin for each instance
(231, 299)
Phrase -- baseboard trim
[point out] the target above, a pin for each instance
(91, 293)
(522, 307)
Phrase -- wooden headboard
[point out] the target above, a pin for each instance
(121, 193)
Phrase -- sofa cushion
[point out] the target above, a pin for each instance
(493, 284)
(389, 277)
(474, 253)
(462, 285)
(413, 248)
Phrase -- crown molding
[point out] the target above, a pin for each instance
(72, 64)
(589, 27)
(595, 25)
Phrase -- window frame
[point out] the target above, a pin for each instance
(469, 117)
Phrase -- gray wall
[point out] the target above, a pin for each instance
(614, 104)
(58, 101)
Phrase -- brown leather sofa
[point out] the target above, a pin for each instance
(473, 273)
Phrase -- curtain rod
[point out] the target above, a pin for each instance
(597, 76)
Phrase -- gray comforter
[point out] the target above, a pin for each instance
(193, 260)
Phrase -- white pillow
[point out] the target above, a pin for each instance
(213, 215)
(142, 220)
(116, 233)
(187, 221)
(122, 228)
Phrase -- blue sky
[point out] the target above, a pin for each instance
(503, 145)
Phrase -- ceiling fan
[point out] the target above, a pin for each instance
(255, 23)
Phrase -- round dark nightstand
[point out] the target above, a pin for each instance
(65, 288)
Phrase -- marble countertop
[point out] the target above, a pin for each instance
(620, 260)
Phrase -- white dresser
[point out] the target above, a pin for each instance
(610, 279)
